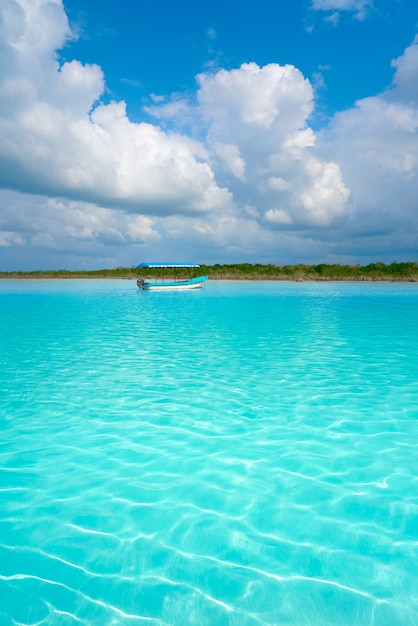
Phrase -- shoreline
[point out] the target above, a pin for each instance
(323, 272)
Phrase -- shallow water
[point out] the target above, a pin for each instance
(245, 454)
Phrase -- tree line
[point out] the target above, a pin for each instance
(407, 271)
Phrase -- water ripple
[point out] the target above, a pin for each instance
(241, 457)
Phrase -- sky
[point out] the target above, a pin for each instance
(210, 132)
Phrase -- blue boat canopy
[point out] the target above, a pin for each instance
(144, 265)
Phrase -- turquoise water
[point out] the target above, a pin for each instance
(245, 454)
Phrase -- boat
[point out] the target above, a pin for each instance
(170, 284)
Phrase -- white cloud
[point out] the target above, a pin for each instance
(278, 216)
(255, 96)
(325, 196)
(231, 158)
(35, 27)
(359, 8)
(62, 141)
(57, 139)
(74, 233)
(263, 112)
(278, 184)
(255, 181)
(8, 239)
(61, 221)
(406, 77)
(376, 144)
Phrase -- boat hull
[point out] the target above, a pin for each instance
(172, 285)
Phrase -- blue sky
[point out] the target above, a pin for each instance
(277, 132)
(159, 47)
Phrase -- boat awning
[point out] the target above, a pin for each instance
(144, 265)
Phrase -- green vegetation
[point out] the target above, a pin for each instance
(247, 271)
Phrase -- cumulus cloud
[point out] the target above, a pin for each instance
(263, 112)
(57, 138)
(256, 97)
(406, 76)
(278, 216)
(234, 171)
(260, 145)
(66, 220)
(377, 144)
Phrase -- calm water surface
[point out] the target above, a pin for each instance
(245, 454)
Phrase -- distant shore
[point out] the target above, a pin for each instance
(374, 272)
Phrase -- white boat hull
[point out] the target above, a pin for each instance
(172, 285)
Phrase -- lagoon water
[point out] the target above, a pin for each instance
(245, 454)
